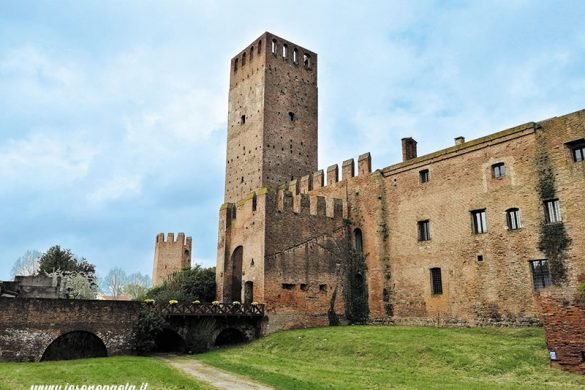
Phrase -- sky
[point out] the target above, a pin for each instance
(113, 113)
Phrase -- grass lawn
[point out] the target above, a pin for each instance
(102, 371)
(375, 357)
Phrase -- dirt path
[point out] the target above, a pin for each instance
(214, 376)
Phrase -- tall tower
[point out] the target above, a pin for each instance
(272, 117)
(170, 256)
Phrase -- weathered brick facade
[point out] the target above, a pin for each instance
(170, 256)
(473, 216)
(563, 316)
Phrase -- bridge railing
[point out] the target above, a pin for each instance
(208, 309)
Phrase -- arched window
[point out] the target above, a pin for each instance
(295, 56)
(307, 61)
(284, 51)
(358, 241)
(274, 46)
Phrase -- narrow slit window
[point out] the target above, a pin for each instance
(251, 53)
(259, 46)
(295, 56)
(436, 281)
(235, 65)
(243, 119)
(284, 51)
(274, 46)
(243, 59)
(291, 116)
(513, 219)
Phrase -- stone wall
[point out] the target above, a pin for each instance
(30, 325)
(563, 315)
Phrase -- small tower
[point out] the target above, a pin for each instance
(272, 116)
(170, 256)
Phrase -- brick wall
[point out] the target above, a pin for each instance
(563, 316)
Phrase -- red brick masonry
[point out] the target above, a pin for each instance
(563, 316)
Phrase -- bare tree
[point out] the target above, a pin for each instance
(27, 264)
(114, 282)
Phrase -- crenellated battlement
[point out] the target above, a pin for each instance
(185, 241)
(303, 203)
(316, 180)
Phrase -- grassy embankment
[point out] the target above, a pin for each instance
(398, 357)
(103, 371)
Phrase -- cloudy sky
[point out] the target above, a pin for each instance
(113, 113)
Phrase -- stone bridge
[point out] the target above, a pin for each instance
(34, 329)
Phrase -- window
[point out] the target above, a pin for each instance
(284, 51)
(288, 286)
(577, 149)
(243, 119)
(513, 219)
(243, 59)
(479, 221)
(498, 170)
(540, 274)
(295, 56)
(274, 46)
(259, 46)
(424, 233)
(359, 243)
(436, 281)
(251, 53)
(552, 211)
(235, 65)
(307, 60)
(424, 176)
(291, 116)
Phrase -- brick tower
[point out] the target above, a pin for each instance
(170, 256)
(272, 117)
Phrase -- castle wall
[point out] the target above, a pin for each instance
(306, 250)
(170, 256)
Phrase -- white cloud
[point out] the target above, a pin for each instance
(114, 189)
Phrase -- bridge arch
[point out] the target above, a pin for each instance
(170, 341)
(230, 336)
(77, 344)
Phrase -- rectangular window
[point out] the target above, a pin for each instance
(498, 170)
(513, 219)
(436, 281)
(552, 211)
(424, 232)
(540, 274)
(479, 221)
(577, 149)
(424, 176)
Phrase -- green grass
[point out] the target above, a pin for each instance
(372, 357)
(102, 371)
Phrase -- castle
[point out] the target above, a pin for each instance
(170, 256)
(464, 236)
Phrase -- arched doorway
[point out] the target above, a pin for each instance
(230, 336)
(75, 345)
(233, 276)
(169, 341)
(248, 292)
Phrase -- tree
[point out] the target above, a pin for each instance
(187, 285)
(77, 275)
(27, 264)
(137, 285)
(64, 260)
(114, 281)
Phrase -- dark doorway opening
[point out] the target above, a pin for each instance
(236, 274)
(169, 341)
(75, 345)
(230, 336)
(248, 292)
